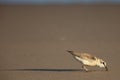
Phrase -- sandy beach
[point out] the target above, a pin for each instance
(34, 40)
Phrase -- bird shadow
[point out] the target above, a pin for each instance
(45, 70)
(52, 70)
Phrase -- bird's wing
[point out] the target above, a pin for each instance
(87, 56)
(83, 55)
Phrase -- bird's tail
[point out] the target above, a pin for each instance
(71, 52)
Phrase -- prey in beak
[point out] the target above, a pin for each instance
(106, 68)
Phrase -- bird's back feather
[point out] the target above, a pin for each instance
(83, 55)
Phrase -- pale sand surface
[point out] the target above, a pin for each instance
(34, 40)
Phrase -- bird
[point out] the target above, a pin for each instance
(87, 59)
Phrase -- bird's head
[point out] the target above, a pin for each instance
(102, 64)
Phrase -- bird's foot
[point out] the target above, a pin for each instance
(84, 68)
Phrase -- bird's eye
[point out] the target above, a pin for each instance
(103, 63)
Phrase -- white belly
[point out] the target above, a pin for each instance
(85, 62)
(82, 60)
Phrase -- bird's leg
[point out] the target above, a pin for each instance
(83, 66)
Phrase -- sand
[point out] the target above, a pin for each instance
(34, 40)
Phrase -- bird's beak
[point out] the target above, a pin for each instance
(106, 68)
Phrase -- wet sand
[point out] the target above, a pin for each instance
(34, 40)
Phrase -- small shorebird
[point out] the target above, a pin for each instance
(88, 60)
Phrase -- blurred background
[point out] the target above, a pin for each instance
(35, 34)
(57, 1)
